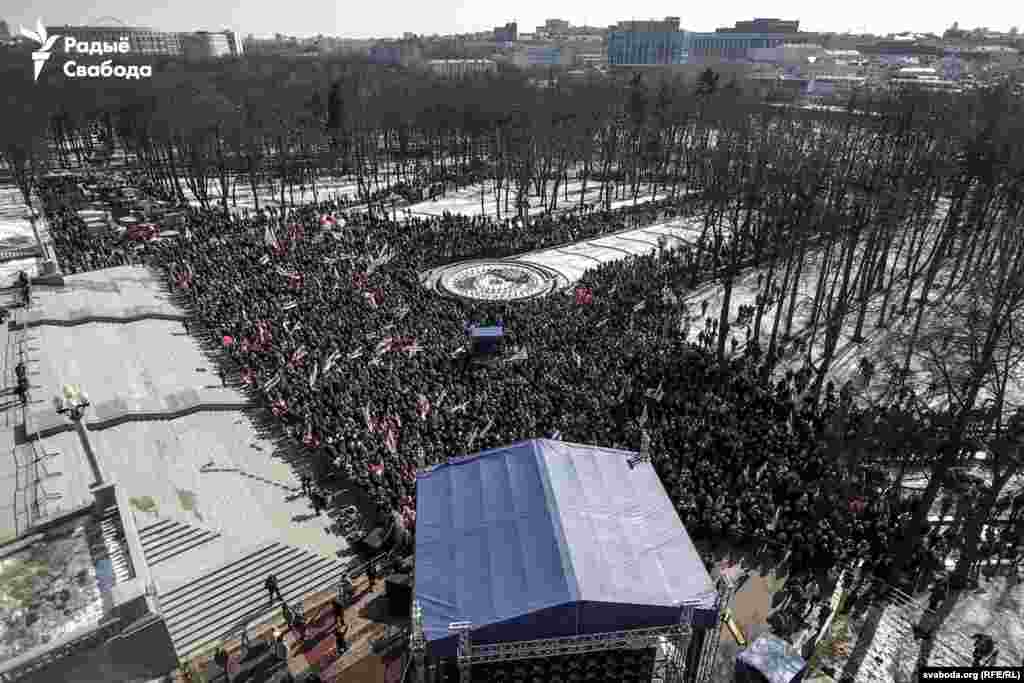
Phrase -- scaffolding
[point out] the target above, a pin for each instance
(672, 641)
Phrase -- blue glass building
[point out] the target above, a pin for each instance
(647, 47)
(683, 47)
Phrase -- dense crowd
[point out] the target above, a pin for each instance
(325, 319)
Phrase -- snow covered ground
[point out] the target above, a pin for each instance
(574, 259)
(467, 201)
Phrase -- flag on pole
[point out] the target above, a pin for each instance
(640, 306)
(391, 437)
(377, 470)
(656, 394)
(248, 376)
(642, 420)
(273, 381)
(228, 340)
(297, 357)
(270, 238)
(279, 408)
(331, 360)
(264, 260)
(314, 374)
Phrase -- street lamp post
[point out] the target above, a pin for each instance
(72, 403)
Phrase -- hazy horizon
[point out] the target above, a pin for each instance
(305, 18)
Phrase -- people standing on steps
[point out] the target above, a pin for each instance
(272, 589)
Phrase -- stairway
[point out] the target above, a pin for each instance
(217, 604)
(109, 551)
(167, 538)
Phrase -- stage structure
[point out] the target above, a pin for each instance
(544, 549)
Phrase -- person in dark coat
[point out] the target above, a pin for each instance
(272, 589)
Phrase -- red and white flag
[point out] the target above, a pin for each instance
(374, 297)
(297, 357)
(310, 439)
(228, 340)
(423, 407)
(584, 296)
(377, 470)
(391, 437)
(360, 280)
(248, 376)
(183, 280)
(279, 408)
(295, 232)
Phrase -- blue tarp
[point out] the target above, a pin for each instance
(543, 539)
(773, 659)
(486, 332)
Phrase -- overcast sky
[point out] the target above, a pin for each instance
(381, 19)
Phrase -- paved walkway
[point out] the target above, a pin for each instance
(572, 260)
(211, 468)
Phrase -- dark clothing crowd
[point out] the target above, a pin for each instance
(323, 317)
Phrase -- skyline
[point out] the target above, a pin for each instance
(304, 18)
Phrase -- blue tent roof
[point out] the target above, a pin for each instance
(546, 538)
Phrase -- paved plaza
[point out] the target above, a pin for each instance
(161, 423)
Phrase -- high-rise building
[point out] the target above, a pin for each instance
(5, 32)
(647, 43)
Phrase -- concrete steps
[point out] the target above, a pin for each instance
(168, 538)
(220, 602)
(109, 550)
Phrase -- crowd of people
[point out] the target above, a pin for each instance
(323, 317)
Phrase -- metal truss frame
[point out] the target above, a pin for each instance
(668, 669)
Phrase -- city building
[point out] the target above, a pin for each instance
(142, 40)
(542, 55)
(650, 42)
(404, 53)
(210, 45)
(5, 32)
(666, 25)
(763, 26)
(556, 27)
(461, 68)
(787, 53)
(729, 46)
(509, 33)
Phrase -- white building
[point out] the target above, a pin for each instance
(460, 68)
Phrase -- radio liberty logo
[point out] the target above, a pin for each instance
(45, 42)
